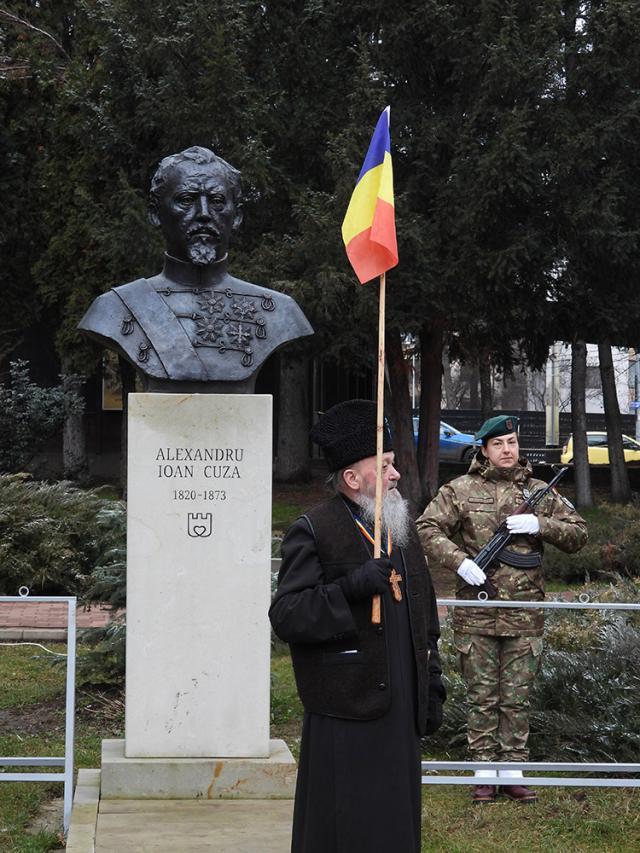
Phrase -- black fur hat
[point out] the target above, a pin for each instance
(347, 433)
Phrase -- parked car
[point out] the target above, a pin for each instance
(455, 446)
(598, 449)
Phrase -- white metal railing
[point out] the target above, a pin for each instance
(433, 767)
(66, 761)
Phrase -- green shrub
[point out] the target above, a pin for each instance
(584, 704)
(575, 630)
(104, 664)
(29, 416)
(53, 537)
(613, 548)
(451, 739)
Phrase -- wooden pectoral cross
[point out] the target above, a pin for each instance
(395, 580)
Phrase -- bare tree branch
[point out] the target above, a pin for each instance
(21, 22)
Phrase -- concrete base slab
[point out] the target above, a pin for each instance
(205, 826)
(197, 778)
(84, 814)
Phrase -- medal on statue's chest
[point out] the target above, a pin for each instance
(225, 320)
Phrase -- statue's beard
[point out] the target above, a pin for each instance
(395, 515)
(202, 253)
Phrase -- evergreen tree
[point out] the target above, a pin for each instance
(513, 132)
(596, 178)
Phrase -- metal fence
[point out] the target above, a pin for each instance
(66, 761)
(431, 768)
(532, 424)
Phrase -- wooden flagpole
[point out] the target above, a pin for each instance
(377, 533)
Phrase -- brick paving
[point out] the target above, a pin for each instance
(51, 615)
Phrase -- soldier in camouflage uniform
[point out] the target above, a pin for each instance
(499, 650)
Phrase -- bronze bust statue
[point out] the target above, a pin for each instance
(194, 327)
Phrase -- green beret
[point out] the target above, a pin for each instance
(494, 427)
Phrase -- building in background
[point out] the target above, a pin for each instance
(541, 397)
(534, 390)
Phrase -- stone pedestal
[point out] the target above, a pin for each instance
(268, 778)
(198, 576)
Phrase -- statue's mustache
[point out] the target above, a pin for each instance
(203, 231)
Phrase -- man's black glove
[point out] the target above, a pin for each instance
(437, 696)
(368, 579)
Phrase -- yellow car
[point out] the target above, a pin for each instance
(598, 450)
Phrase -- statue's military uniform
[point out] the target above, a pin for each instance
(498, 676)
(196, 325)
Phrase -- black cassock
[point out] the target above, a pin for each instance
(359, 787)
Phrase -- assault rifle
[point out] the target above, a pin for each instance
(501, 538)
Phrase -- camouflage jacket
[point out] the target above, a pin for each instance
(470, 508)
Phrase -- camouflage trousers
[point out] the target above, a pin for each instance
(498, 672)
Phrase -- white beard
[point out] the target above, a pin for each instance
(395, 515)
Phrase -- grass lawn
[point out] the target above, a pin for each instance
(564, 819)
(284, 513)
(292, 499)
(32, 723)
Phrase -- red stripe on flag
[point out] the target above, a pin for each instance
(374, 250)
(368, 259)
(383, 227)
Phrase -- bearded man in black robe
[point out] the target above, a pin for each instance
(369, 691)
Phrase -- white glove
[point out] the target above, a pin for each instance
(523, 524)
(471, 573)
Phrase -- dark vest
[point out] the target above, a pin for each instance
(356, 687)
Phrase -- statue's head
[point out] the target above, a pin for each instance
(196, 199)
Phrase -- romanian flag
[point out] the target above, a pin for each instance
(369, 228)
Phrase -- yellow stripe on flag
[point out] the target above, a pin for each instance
(376, 183)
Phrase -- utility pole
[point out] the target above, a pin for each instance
(553, 398)
(636, 394)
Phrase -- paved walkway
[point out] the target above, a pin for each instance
(42, 620)
(200, 826)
